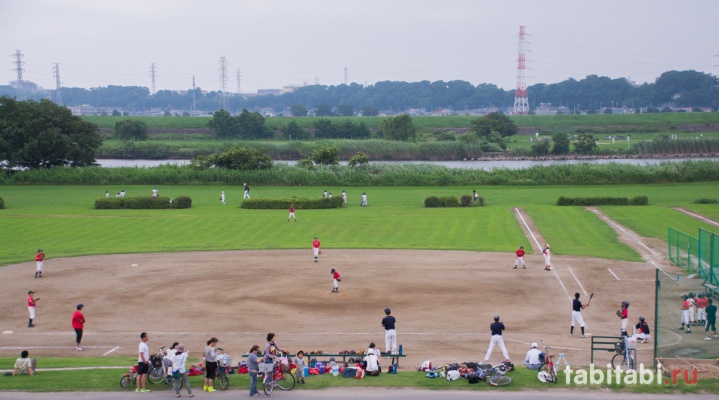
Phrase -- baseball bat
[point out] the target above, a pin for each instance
(590, 299)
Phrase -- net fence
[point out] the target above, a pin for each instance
(683, 250)
(708, 262)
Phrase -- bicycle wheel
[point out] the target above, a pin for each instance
(286, 381)
(156, 375)
(224, 379)
(547, 373)
(619, 361)
(500, 380)
(125, 382)
(268, 384)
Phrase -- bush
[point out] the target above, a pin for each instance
(111, 203)
(2, 203)
(466, 200)
(697, 201)
(432, 201)
(449, 201)
(358, 159)
(480, 201)
(639, 201)
(305, 163)
(182, 202)
(298, 203)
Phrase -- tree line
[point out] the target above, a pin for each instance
(675, 88)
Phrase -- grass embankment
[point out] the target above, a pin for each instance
(61, 220)
(108, 380)
(377, 175)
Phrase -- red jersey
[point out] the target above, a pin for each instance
(624, 313)
(78, 320)
(316, 244)
(520, 253)
(40, 256)
(30, 301)
(686, 305)
(292, 209)
(701, 303)
(336, 275)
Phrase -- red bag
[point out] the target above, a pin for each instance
(194, 371)
(314, 371)
(243, 370)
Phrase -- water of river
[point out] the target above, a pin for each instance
(483, 165)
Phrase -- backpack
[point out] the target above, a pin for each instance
(425, 366)
(508, 366)
(453, 375)
(452, 367)
(473, 377)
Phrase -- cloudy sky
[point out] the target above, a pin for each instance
(274, 43)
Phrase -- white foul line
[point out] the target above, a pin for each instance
(623, 230)
(539, 246)
(560, 282)
(575, 278)
(613, 274)
(116, 347)
(697, 216)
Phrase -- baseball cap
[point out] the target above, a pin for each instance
(534, 345)
(80, 305)
(386, 310)
(30, 291)
(315, 237)
(333, 270)
(39, 249)
(496, 317)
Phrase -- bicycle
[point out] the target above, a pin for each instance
(496, 376)
(547, 370)
(224, 365)
(625, 358)
(273, 376)
(129, 378)
(157, 372)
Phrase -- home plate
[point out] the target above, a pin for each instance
(7, 333)
(134, 265)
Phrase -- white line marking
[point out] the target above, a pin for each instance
(7, 332)
(539, 246)
(623, 230)
(697, 216)
(575, 278)
(613, 274)
(560, 282)
(106, 353)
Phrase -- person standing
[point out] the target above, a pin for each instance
(329, 196)
(364, 200)
(78, 324)
(300, 367)
(475, 196)
(253, 367)
(390, 333)
(520, 257)
(577, 308)
(211, 364)
(179, 360)
(701, 304)
(292, 213)
(324, 194)
(316, 248)
(711, 311)
(686, 309)
(143, 364)
(39, 258)
(623, 314)
(222, 197)
(154, 192)
(247, 191)
(547, 258)
(496, 327)
(107, 194)
(122, 193)
(335, 280)
(532, 360)
(344, 196)
(31, 302)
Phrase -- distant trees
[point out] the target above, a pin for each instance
(245, 126)
(494, 122)
(129, 129)
(295, 132)
(345, 110)
(298, 110)
(323, 110)
(561, 144)
(370, 111)
(43, 135)
(237, 157)
(399, 128)
(326, 155)
(585, 144)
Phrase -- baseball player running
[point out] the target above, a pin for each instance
(520, 257)
(316, 248)
(577, 308)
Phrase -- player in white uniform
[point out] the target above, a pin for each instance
(154, 192)
(222, 198)
(344, 196)
(547, 258)
(247, 192)
(364, 200)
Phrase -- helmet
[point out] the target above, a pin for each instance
(641, 318)
(701, 295)
(625, 304)
(692, 294)
(685, 297)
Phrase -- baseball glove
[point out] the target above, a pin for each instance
(319, 252)
(619, 313)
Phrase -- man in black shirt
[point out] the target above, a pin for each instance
(496, 328)
(390, 335)
(577, 308)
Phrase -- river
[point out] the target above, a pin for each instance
(482, 165)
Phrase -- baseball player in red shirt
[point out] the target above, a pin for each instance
(520, 257)
(39, 257)
(31, 301)
(547, 258)
(686, 306)
(316, 248)
(335, 280)
(292, 213)
(701, 304)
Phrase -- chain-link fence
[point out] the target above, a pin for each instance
(683, 250)
(708, 262)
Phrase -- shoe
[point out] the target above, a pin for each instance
(211, 389)
(515, 267)
(204, 388)
(571, 334)
(137, 390)
(79, 349)
(584, 336)
(707, 338)
(31, 326)
(524, 267)
(688, 331)
(145, 390)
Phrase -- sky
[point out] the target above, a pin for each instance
(276, 43)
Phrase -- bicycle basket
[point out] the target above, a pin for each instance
(225, 361)
(266, 367)
(619, 347)
(155, 361)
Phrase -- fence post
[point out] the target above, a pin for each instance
(656, 314)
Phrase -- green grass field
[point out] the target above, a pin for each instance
(62, 221)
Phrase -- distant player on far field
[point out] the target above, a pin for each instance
(292, 213)
(520, 257)
(547, 258)
(39, 258)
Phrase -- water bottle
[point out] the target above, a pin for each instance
(335, 368)
(306, 371)
(400, 349)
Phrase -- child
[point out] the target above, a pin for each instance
(622, 313)
(547, 258)
(222, 198)
(335, 280)
(344, 196)
(520, 257)
(364, 200)
(300, 367)
(475, 196)
(292, 213)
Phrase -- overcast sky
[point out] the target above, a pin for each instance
(275, 43)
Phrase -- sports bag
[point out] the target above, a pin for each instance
(473, 377)
(425, 366)
(453, 375)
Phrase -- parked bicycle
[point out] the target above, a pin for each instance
(496, 376)
(157, 372)
(130, 378)
(625, 358)
(548, 370)
(222, 375)
(273, 376)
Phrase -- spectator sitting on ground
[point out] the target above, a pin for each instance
(533, 361)
(23, 364)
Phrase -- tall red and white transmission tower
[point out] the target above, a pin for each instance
(521, 102)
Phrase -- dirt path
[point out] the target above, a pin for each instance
(697, 216)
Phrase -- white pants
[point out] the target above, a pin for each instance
(498, 340)
(316, 250)
(685, 316)
(247, 195)
(390, 340)
(31, 310)
(292, 215)
(577, 317)
(642, 336)
(335, 284)
(547, 261)
(691, 313)
(701, 314)
(516, 262)
(39, 266)
(624, 324)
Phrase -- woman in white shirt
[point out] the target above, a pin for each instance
(179, 358)
(372, 359)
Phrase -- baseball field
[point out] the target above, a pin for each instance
(236, 274)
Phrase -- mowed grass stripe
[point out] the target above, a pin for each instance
(653, 221)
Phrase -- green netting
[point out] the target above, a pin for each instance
(683, 250)
(709, 256)
(670, 340)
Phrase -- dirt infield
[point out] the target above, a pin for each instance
(443, 301)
